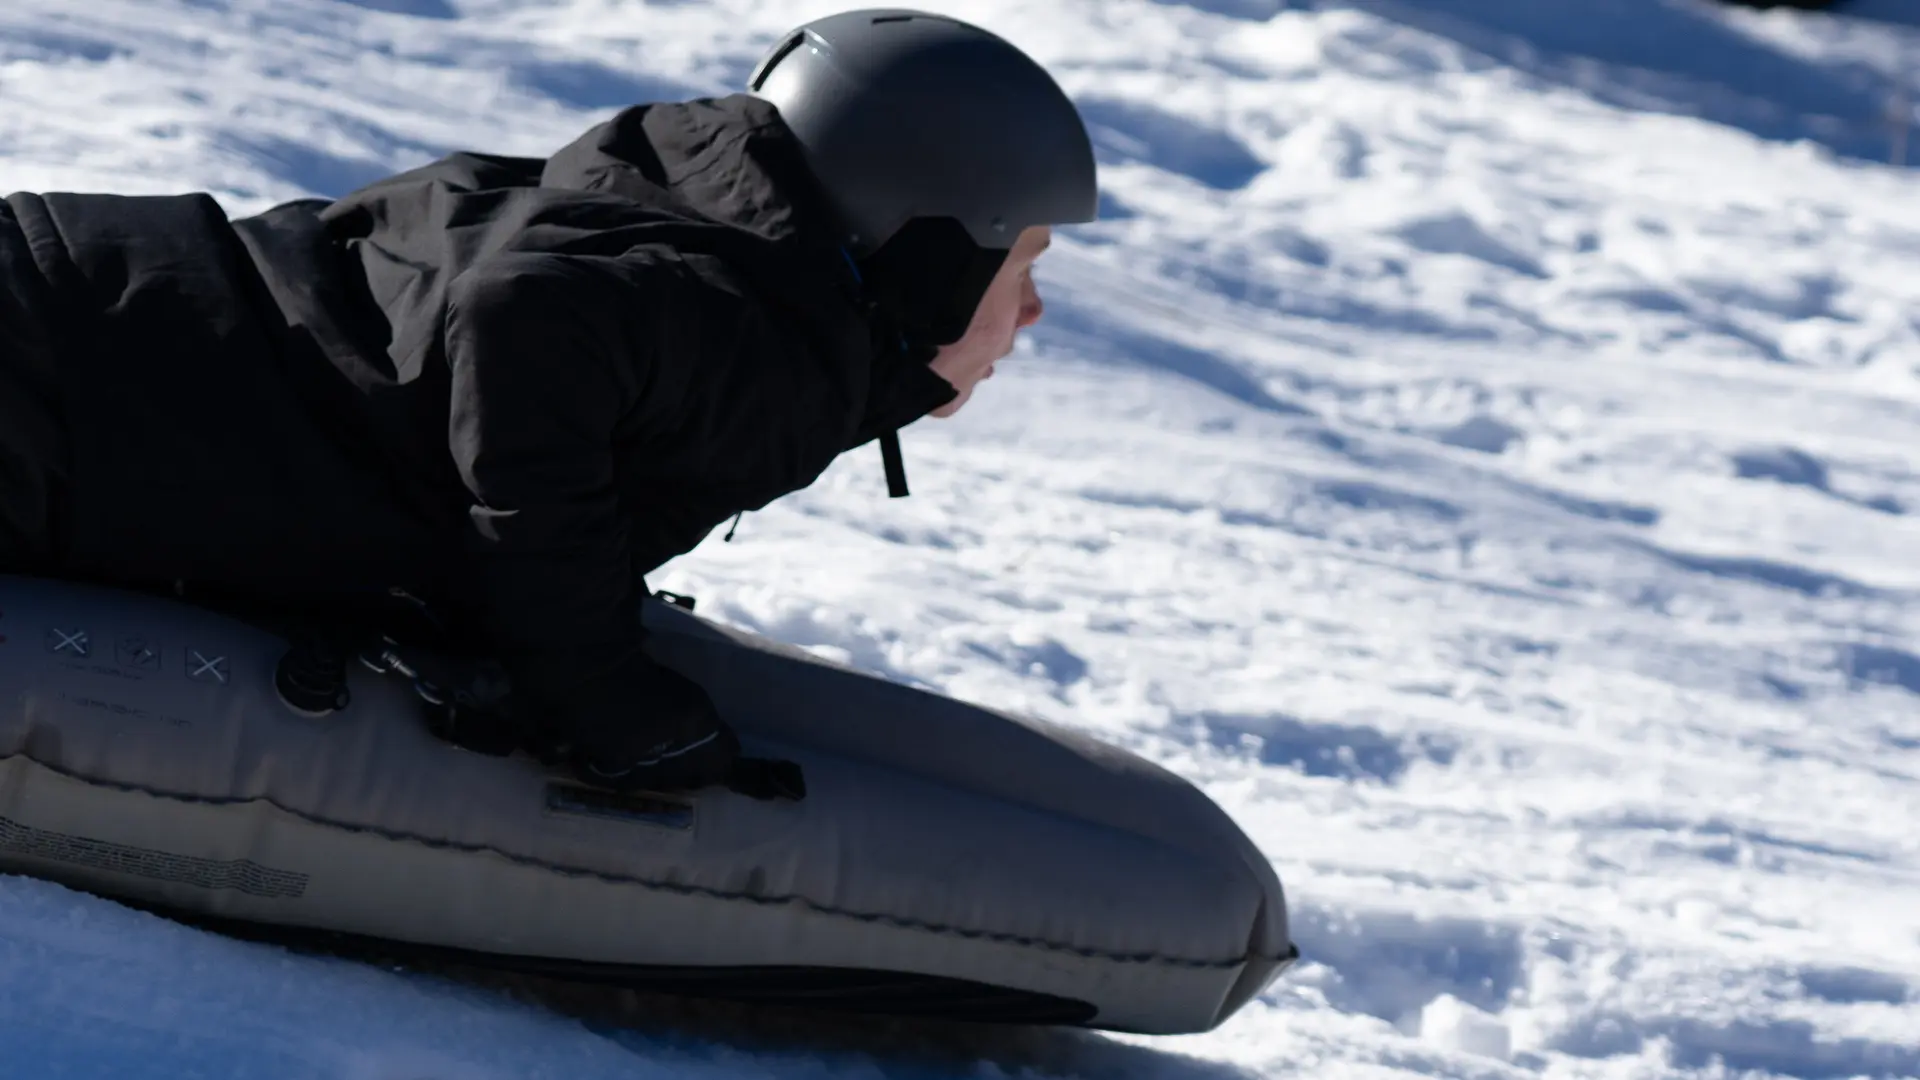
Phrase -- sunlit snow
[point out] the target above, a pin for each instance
(1479, 445)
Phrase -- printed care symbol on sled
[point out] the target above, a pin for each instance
(204, 668)
(135, 652)
(69, 642)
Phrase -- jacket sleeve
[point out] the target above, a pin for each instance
(550, 355)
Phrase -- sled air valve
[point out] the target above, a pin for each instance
(312, 676)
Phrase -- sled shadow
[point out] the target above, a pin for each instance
(897, 1048)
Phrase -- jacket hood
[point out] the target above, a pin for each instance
(734, 162)
(729, 160)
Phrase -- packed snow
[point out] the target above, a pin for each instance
(1479, 445)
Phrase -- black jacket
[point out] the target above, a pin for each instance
(511, 386)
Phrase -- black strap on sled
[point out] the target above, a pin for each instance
(463, 700)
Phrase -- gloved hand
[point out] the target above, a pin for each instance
(660, 733)
(635, 725)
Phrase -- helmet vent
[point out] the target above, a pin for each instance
(878, 19)
(773, 59)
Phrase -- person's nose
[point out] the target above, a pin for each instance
(1031, 307)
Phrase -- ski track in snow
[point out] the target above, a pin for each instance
(1476, 445)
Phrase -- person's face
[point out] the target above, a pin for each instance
(1010, 305)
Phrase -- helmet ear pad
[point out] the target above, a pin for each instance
(930, 277)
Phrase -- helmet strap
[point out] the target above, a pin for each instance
(929, 277)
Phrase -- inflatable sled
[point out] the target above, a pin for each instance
(947, 860)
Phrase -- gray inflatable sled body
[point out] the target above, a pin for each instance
(947, 859)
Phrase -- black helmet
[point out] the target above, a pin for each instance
(936, 142)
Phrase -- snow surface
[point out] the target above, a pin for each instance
(1478, 446)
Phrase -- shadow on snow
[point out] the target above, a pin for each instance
(1656, 56)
